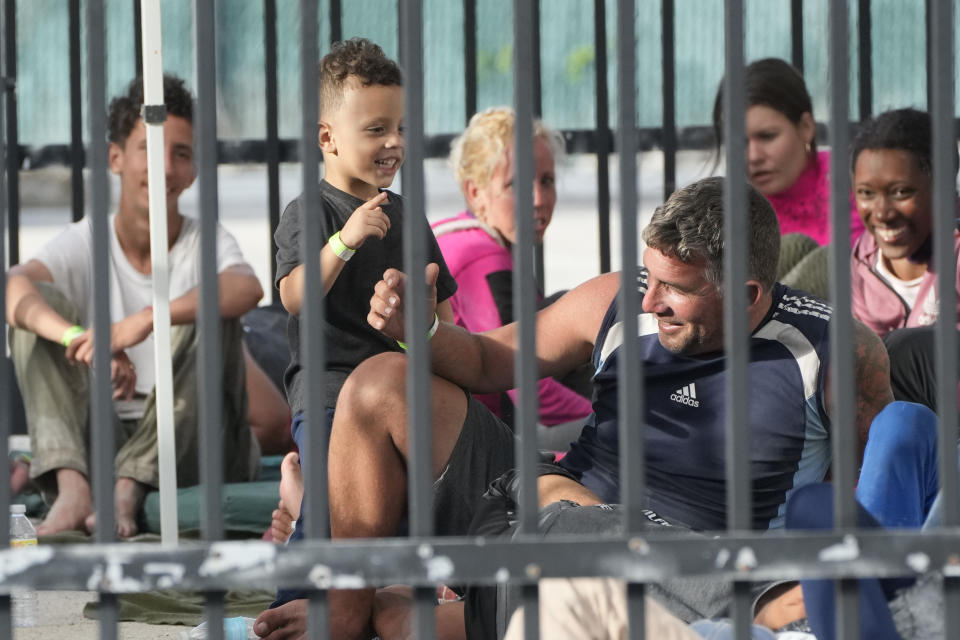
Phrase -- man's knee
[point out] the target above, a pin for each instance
(375, 389)
(902, 427)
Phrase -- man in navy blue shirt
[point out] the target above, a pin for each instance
(681, 342)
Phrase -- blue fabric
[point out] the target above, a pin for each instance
(685, 411)
(811, 508)
(298, 432)
(899, 479)
(723, 630)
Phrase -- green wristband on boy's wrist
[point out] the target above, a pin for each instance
(343, 251)
(430, 332)
(71, 334)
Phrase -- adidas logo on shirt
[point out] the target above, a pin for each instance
(686, 395)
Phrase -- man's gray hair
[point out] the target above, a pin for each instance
(690, 226)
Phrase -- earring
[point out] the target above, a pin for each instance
(808, 148)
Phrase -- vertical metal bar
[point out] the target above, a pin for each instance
(419, 415)
(469, 58)
(529, 596)
(316, 505)
(209, 353)
(76, 113)
(602, 93)
(272, 146)
(736, 340)
(215, 610)
(6, 618)
(669, 102)
(844, 440)
(865, 57)
(631, 404)
(14, 160)
(636, 611)
(796, 34)
(524, 287)
(336, 21)
(102, 406)
(539, 270)
(736, 228)
(945, 206)
(137, 37)
(928, 45)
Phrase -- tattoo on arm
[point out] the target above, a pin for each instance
(873, 378)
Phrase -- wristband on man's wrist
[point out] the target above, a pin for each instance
(430, 332)
(71, 334)
(343, 251)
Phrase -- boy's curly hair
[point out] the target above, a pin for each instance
(358, 58)
(124, 110)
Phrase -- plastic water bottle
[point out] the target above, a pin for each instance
(233, 629)
(23, 602)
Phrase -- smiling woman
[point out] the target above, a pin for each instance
(892, 277)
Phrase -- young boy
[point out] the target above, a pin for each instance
(361, 138)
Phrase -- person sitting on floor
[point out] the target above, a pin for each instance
(681, 343)
(50, 306)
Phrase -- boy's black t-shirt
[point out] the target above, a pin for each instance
(349, 338)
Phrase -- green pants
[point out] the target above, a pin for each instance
(56, 397)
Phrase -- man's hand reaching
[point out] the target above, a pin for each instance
(386, 305)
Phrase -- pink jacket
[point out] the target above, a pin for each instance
(472, 252)
(877, 305)
(805, 206)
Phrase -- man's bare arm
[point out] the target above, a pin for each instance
(872, 369)
(565, 330)
(240, 291)
(26, 308)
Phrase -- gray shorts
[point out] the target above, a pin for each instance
(481, 454)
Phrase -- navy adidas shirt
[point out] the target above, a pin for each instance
(684, 428)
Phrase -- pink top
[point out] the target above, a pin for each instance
(474, 253)
(805, 206)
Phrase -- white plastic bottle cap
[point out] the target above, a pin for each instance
(18, 508)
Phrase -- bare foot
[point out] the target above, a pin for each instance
(127, 498)
(350, 613)
(291, 495)
(286, 622)
(291, 483)
(72, 505)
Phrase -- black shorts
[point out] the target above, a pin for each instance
(481, 454)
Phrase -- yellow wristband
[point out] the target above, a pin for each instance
(430, 332)
(70, 334)
(343, 251)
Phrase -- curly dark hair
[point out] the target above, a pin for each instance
(125, 109)
(359, 58)
(902, 129)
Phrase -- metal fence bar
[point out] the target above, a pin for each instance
(14, 159)
(272, 143)
(469, 58)
(736, 341)
(6, 621)
(668, 72)
(630, 366)
(526, 97)
(336, 20)
(602, 131)
(865, 57)
(539, 269)
(796, 34)
(209, 351)
(313, 351)
(419, 414)
(76, 113)
(845, 433)
(137, 36)
(102, 439)
(944, 152)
